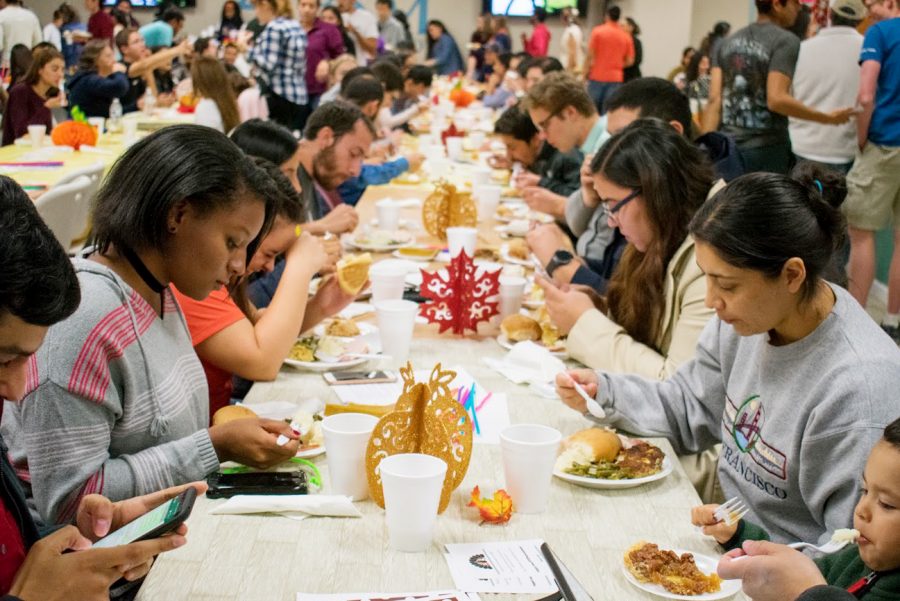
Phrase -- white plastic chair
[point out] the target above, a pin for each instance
(94, 172)
(65, 208)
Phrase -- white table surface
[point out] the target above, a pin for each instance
(267, 557)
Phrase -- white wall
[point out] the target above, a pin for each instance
(668, 25)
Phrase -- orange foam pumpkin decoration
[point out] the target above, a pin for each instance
(74, 134)
(461, 97)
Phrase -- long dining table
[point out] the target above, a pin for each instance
(272, 558)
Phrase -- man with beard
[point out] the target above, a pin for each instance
(335, 142)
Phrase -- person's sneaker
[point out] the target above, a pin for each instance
(893, 332)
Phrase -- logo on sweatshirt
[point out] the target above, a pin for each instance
(744, 422)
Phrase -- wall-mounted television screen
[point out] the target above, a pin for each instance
(154, 3)
(525, 8)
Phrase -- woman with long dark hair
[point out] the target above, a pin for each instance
(331, 15)
(119, 404)
(231, 21)
(634, 30)
(652, 180)
(792, 376)
(31, 100)
(443, 52)
(475, 68)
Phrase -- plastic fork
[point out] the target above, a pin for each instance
(731, 511)
(593, 406)
(838, 541)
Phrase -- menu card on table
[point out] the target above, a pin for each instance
(501, 567)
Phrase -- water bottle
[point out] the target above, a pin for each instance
(114, 124)
(149, 102)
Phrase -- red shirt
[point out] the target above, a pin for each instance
(610, 47)
(101, 26)
(205, 318)
(539, 42)
(12, 545)
(12, 548)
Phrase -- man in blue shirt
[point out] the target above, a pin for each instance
(873, 185)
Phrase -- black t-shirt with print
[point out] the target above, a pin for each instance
(746, 59)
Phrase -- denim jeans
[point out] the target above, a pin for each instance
(600, 91)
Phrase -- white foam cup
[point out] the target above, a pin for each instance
(459, 238)
(346, 436)
(511, 290)
(529, 452)
(388, 214)
(388, 279)
(37, 133)
(396, 321)
(412, 484)
(488, 197)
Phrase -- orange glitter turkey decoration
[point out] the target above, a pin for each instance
(426, 419)
(446, 207)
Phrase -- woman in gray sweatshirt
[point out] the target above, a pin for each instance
(793, 377)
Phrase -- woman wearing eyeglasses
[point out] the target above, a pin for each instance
(651, 181)
(792, 376)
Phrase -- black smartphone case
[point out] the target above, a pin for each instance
(223, 486)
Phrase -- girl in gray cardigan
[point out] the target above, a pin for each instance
(117, 401)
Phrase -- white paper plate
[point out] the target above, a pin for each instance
(367, 331)
(506, 343)
(706, 564)
(603, 484)
(504, 256)
(506, 232)
(400, 255)
(310, 453)
(401, 238)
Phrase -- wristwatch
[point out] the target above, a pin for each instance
(560, 258)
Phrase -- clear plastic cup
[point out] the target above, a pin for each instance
(529, 452)
(412, 484)
(346, 437)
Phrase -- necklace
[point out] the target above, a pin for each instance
(145, 275)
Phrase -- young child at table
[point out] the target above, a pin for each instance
(870, 569)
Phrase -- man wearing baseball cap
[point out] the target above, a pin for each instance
(827, 77)
(873, 185)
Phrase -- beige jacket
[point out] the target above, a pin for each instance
(600, 343)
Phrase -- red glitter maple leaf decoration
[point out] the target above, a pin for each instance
(458, 298)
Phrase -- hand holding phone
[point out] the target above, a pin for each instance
(155, 523)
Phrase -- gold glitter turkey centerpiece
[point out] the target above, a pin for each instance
(447, 207)
(426, 419)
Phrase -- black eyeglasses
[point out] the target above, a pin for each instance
(610, 211)
(543, 124)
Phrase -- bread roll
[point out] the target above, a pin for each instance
(604, 444)
(589, 446)
(518, 327)
(231, 413)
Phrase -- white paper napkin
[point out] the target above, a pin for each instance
(529, 363)
(354, 309)
(290, 505)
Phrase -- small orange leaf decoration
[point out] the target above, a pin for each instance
(493, 511)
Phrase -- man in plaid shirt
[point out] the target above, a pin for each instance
(279, 57)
